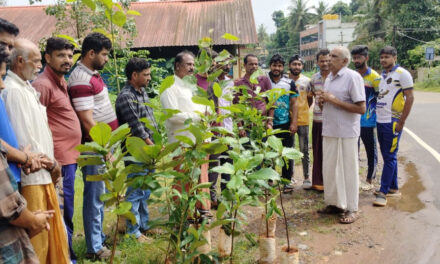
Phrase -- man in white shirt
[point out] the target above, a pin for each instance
(179, 97)
(29, 121)
(343, 104)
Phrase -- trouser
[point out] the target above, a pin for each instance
(389, 145)
(50, 246)
(303, 140)
(369, 138)
(139, 207)
(213, 176)
(68, 172)
(287, 139)
(93, 209)
(317, 179)
(341, 172)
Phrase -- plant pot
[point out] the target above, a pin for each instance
(267, 250)
(224, 244)
(291, 257)
(271, 224)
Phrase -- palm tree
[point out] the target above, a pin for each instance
(321, 10)
(299, 15)
(371, 21)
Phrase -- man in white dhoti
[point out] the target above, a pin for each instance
(343, 103)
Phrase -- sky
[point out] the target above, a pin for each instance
(263, 9)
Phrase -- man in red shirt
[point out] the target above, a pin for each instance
(63, 121)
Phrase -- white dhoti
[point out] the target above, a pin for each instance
(340, 170)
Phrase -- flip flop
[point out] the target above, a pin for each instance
(330, 210)
(348, 218)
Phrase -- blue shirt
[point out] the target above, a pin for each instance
(371, 82)
(8, 135)
(282, 105)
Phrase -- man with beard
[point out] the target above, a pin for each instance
(316, 86)
(251, 66)
(29, 121)
(285, 113)
(343, 102)
(394, 104)
(90, 99)
(368, 120)
(131, 105)
(304, 101)
(63, 122)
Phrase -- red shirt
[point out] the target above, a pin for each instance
(265, 85)
(63, 121)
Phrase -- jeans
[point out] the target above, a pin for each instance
(93, 209)
(389, 145)
(139, 208)
(213, 176)
(303, 140)
(68, 172)
(369, 138)
(288, 142)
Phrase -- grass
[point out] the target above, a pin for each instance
(426, 87)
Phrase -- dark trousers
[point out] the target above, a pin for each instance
(213, 176)
(287, 140)
(317, 154)
(369, 138)
(68, 172)
(389, 146)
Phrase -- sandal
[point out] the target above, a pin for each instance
(348, 218)
(330, 210)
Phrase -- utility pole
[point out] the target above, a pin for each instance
(342, 39)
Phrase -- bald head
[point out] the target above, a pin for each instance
(26, 59)
(339, 58)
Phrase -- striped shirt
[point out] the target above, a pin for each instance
(88, 91)
(130, 107)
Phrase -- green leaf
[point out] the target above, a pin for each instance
(204, 101)
(89, 3)
(226, 168)
(241, 164)
(214, 148)
(275, 143)
(119, 134)
(85, 160)
(235, 182)
(230, 37)
(106, 196)
(254, 77)
(166, 83)
(107, 3)
(232, 108)
(217, 90)
(119, 18)
(75, 57)
(168, 149)
(130, 216)
(200, 186)
(101, 133)
(264, 174)
(291, 153)
(119, 182)
(214, 75)
(133, 13)
(123, 208)
(69, 38)
(197, 133)
(185, 139)
(271, 155)
(93, 178)
(223, 55)
(220, 211)
(135, 147)
(256, 161)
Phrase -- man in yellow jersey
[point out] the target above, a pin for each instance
(302, 83)
(368, 120)
(394, 104)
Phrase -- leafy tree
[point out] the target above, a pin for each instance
(355, 5)
(370, 20)
(341, 8)
(263, 37)
(321, 9)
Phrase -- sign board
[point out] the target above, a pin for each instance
(429, 53)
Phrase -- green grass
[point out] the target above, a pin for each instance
(427, 87)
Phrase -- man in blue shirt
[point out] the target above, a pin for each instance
(286, 111)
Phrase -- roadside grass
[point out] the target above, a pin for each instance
(420, 86)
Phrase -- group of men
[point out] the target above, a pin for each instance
(350, 106)
(43, 118)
